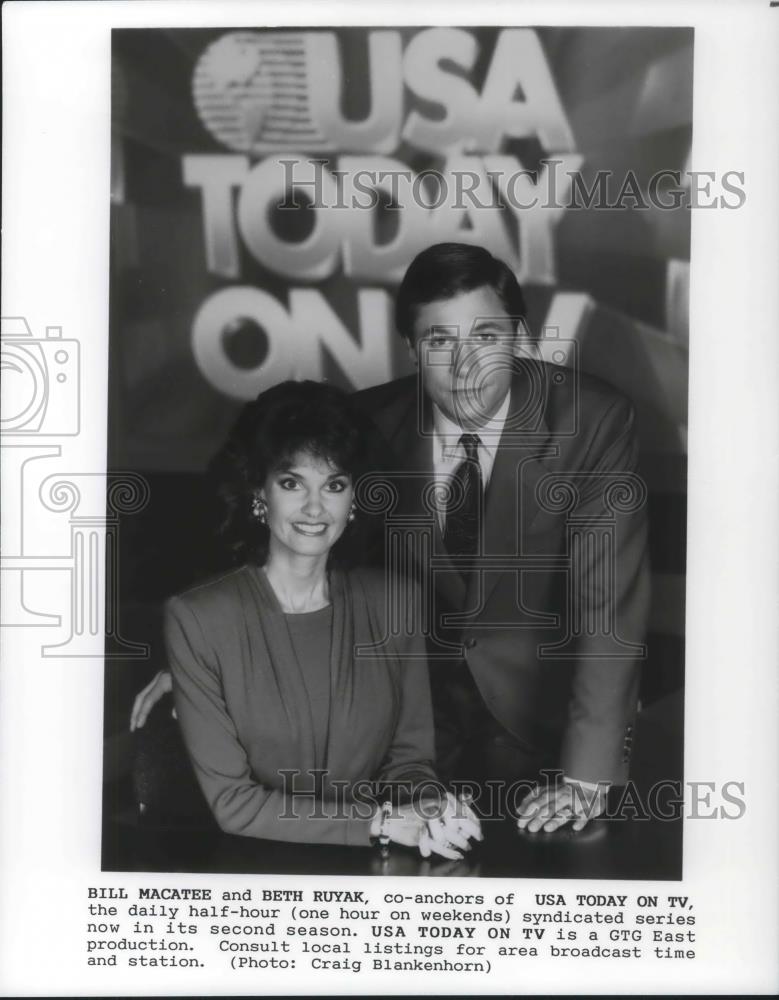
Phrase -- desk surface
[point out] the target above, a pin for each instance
(620, 848)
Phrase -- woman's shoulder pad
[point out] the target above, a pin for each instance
(213, 592)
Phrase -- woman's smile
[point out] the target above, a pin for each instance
(310, 530)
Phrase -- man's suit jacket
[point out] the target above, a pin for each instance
(553, 621)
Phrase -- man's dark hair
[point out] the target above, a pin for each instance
(285, 420)
(448, 269)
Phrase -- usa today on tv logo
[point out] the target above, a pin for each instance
(300, 186)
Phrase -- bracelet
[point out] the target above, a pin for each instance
(384, 837)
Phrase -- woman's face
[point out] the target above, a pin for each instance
(308, 503)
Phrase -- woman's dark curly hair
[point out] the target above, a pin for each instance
(291, 417)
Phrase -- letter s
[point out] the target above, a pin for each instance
(740, 193)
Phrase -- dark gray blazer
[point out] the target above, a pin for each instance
(245, 715)
(553, 622)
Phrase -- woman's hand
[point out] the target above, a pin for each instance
(146, 699)
(444, 829)
(406, 825)
(450, 830)
(403, 825)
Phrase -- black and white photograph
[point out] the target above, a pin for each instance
(389, 474)
(399, 347)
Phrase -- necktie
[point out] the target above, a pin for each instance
(461, 530)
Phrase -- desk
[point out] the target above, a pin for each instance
(632, 848)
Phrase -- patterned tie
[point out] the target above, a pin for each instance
(461, 530)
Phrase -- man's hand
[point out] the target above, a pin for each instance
(549, 808)
(146, 699)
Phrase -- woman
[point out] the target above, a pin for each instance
(285, 723)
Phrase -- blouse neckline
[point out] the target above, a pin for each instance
(309, 614)
(273, 604)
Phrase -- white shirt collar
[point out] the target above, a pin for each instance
(448, 433)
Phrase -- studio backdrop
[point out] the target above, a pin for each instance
(268, 190)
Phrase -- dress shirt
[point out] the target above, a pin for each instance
(448, 453)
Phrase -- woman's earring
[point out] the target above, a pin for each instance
(259, 508)
(352, 514)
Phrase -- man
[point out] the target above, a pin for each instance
(514, 491)
(536, 554)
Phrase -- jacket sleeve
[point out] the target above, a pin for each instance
(409, 759)
(240, 804)
(609, 603)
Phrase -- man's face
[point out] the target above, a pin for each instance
(464, 347)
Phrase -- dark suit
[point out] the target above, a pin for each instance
(551, 623)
